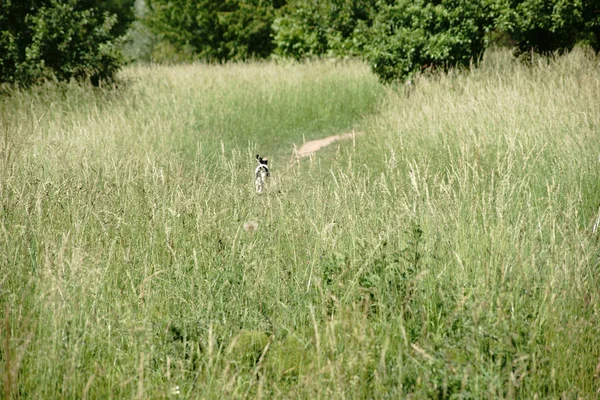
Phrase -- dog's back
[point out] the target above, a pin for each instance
(261, 173)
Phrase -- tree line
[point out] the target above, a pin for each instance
(82, 39)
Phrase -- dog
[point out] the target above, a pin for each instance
(261, 173)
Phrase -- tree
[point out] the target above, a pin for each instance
(308, 28)
(409, 36)
(215, 30)
(547, 26)
(60, 40)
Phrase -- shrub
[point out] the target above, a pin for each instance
(307, 28)
(57, 40)
(214, 30)
(409, 36)
(555, 25)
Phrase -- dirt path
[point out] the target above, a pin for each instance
(313, 146)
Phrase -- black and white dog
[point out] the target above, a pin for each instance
(261, 173)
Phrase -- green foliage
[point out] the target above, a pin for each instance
(214, 30)
(308, 28)
(410, 36)
(122, 10)
(399, 38)
(68, 43)
(548, 26)
(60, 40)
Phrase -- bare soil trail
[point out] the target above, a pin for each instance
(313, 146)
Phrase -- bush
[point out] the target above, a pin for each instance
(214, 30)
(398, 37)
(308, 28)
(410, 36)
(554, 25)
(57, 40)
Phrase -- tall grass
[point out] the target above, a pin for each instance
(450, 251)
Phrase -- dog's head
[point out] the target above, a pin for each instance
(261, 160)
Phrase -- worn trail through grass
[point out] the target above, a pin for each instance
(311, 147)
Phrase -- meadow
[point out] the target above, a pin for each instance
(450, 250)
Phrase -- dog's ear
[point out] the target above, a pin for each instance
(262, 160)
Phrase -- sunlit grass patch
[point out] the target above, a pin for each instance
(449, 250)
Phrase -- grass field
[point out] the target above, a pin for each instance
(450, 251)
